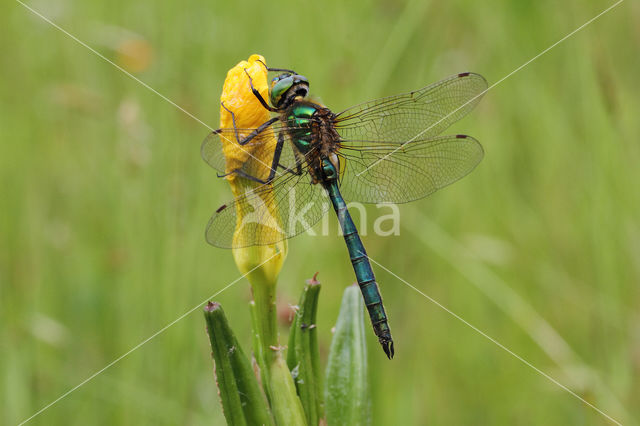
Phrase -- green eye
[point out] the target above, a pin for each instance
(279, 87)
(286, 87)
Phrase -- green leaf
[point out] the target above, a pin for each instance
(285, 404)
(243, 402)
(303, 359)
(347, 396)
(276, 377)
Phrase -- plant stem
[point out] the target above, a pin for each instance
(276, 377)
(265, 306)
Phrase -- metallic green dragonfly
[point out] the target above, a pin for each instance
(382, 151)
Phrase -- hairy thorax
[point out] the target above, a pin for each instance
(314, 136)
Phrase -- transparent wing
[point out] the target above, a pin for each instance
(379, 173)
(421, 114)
(255, 157)
(266, 214)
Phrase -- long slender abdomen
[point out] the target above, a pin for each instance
(362, 268)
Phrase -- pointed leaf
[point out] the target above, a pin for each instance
(303, 358)
(276, 378)
(347, 388)
(242, 400)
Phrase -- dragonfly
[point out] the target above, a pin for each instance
(388, 150)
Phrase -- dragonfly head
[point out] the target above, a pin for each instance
(286, 88)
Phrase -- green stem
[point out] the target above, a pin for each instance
(276, 377)
(264, 296)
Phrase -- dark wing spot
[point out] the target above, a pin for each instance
(463, 74)
(222, 207)
(457, 136)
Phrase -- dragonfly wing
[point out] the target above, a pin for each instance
(221, 150)
(421, 114)
(379, 173)
(266, 214)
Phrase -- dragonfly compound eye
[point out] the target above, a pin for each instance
(279, 86)
(285, 88)
(301, 85)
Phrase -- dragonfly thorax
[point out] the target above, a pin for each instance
(300, 123)
(312, 131)
(311, 126)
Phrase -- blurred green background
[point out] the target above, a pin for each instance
(105, 199)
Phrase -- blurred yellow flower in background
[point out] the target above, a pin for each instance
(134, 54)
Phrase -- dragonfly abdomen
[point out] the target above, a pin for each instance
(362, 268)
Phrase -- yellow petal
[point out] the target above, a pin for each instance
(248, 113)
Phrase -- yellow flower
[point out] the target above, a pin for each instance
(261, 264)
(248, 113)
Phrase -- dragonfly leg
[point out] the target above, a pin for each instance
(274, 165)
(233, 120)
(277, 69)
(298, 166)
(276, 157)
(243, 174)
(297, 171)
(257, 94)
(282, 70)
(255, 131)
(258, 130)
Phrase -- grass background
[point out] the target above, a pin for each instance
(105, 199)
